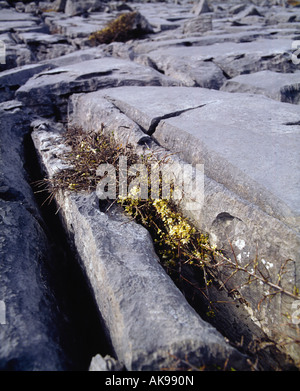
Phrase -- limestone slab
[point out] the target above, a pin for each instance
(232, 134)
(284, 87)
(263, 228)
(30, 332)
(232, 58)
(148, 319)
(53, 87)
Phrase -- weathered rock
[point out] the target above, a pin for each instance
(74, 57)
(60, 5)
(17, 55)
(235, 9)
(19, 6)
(10, 15)
(50, 90)
(31, 8)
(283, 17)
(249, 11)
(49, 6)
(76, 29)
(284, 87)
(12, 79)
(201, 7)
(232, 58)
(77, 7)
(45, 46)
(29, 338)
(250, 198)
(211, 114)
(257, 214)
(148, 319)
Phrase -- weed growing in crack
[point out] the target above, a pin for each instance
(177, 242)
(121, 29)
(88, 150)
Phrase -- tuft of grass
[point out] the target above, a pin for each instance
(176, 241)
(88, 150)
(121, 29)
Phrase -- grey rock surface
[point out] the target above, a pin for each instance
(249, 216)
(201, 7)
(148, 319)
(77, 7)
(12, 79)
(163, 89)
(284, 87)
(53, 87)
(29, 338)
(232, 59)
(199, 113)
(200, 24)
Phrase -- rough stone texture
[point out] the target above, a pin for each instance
(230, 59)
(242, 206)
(206, 116)
(244, 48)
(147, 316)
(77, 7)
(201, 7)
(45, 46)
(12, 79)
(284, 87)
(76, 27)
(198, 25)
(107, 363)
(53, 87)
(29, 339)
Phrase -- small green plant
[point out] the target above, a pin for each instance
(87, 151)
(177, 242)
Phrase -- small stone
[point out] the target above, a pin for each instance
(201, 7)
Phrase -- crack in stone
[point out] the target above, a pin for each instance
(155, 121)
(292, 123)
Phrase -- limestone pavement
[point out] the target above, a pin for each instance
(217, 84)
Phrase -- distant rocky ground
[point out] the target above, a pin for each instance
(214, 83)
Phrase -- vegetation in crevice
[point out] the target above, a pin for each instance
(121, 29)
(177, 242)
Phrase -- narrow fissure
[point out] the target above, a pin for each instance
(84, 334)
(155, 122)
(221, 311)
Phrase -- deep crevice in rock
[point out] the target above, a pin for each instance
(84, 335)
